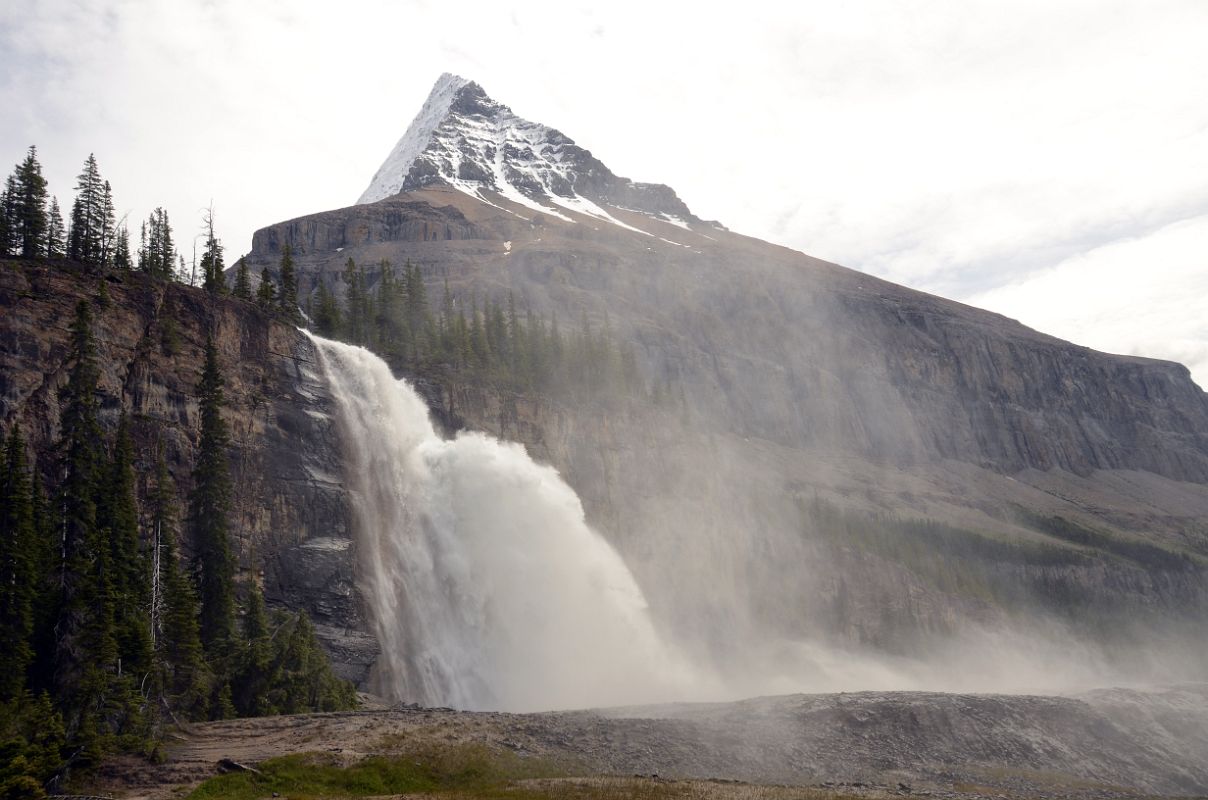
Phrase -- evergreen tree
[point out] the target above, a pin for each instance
(243, 281)
(417, 300)
(266, 292)
(121, 250)
(258, 670)
(326, 314)
(19, 563)
(31, 222)
(9, 222)
(288, 298)
(85, 649)
(354, 298)
(56, 241)
(88, 214)
(47, 590)
(32, 746)
(212, 267)
(156, 252)
(303, 681)
(117, 513)
(209, 509)
(108, 226)
(184, 679)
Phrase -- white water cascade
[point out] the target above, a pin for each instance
(488, 588)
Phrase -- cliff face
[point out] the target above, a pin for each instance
(790, 379)
(290, 510)
(774, 344)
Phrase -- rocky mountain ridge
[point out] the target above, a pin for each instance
(792, 380)
(464, 139)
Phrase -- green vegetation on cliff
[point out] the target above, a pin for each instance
(102, 623)
(493, 343)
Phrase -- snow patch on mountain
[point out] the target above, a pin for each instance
(390, 176)
(465, 140)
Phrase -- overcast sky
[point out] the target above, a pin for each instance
(1047, 159)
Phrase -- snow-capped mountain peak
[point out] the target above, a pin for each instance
(464, 139)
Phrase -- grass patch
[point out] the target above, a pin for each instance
(470, 773)
(473, 770)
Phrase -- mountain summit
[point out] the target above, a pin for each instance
(465, 140)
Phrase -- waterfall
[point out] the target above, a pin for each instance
(487, 587)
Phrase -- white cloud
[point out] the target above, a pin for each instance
(952, 145)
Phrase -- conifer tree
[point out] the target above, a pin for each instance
(19, 563)
(47, 590)
(417, 299)
(288, 298)
(9, 223)
(108, 226)
(156, 252)
(121, 250)
(184, 679)
(212, 267)
(243, 281)
(266, 292)
(117, 513)
(326, 314)
(258, 671)
(87, 238)
(354, 298)
(31, 222)
(85, 651)
(209, 509)
(56, 242)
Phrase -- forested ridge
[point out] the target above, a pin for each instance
(116, 635)
(111, 635)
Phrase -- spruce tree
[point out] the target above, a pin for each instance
(354, 295)
(156, 252)
(288, 298)
(31, 206)
(56, 241)
(85, 652)
(88, 213)
(121, 250)
(184, 680)
(108, 226)
(243, 281)
(326, 316)
(258, 672)
(266, 292)
(209, 510)
(9, 223)
(19, 564)
(212, 267)
(117, 512)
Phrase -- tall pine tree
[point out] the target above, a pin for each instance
(88, 216)
(130, 579)
(212, 267)
(288, 297)
(243, 281)
(19, 565)
(209, 512)
(85, 651)
(31, 207)
(184, 680)
(56, 234)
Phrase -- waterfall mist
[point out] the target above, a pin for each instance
(487, 587)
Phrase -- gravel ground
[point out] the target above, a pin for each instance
(1107, 743)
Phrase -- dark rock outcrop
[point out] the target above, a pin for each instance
(290, 508)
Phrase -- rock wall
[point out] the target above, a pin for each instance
(290, 518)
